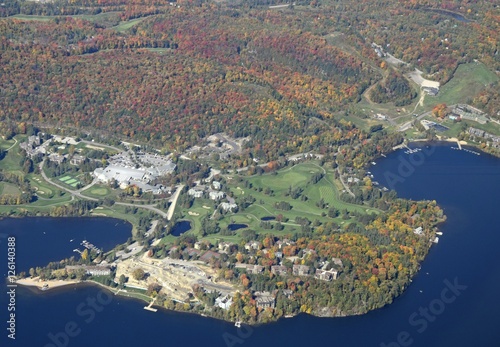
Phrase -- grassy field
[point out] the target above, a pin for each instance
(105, 18)
(11, 161)
(8, 189)
(98, 192)
(469, 79)
(37, 18)
(123, 26)
(297, 176)
(4, 144)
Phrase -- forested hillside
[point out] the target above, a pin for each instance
(181, 71)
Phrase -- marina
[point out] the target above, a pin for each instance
(465, 150)
(90, 246)
(410, 150)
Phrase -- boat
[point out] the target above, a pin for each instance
(439, 233)
(374, 163)
(436, 240)
(237, 324)
(45, 286)
(71, 240)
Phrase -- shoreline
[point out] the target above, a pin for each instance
(36, 282)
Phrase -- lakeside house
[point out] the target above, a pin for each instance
(224, 302)
(264, 300)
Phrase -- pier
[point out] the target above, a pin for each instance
(411, 151)
(90, 246)
(150, 308)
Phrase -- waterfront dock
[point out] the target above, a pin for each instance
(150, 308)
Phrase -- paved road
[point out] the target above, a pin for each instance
(346, 187)
(72, 192)
(408, 125)
(15, 143)
(171, 208)
(97, 144)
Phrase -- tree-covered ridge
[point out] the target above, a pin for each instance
(395, 88)
(243, 78)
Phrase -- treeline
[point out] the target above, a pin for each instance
(25, 194)
(395, 88)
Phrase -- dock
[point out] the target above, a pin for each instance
(90, 246)
(150, 308)
(459, 145)
(411, 151)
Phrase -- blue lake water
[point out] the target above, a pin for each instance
(427, 314)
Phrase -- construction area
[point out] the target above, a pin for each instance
(177, 277)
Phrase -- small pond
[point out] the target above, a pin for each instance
(268, 218)
(180, 228)
(234, 227)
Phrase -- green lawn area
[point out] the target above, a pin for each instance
(123, 26)
(4, 144)
(296, 176)
(469, 79)
(104, 18)
(28, 17)
(11, 161)
(98, 191)
(8, 189)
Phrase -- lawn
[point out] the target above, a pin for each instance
(11, 161)
(297, 176)
(8, 189)
(124, 26)
(468, 80)
(105, 18)
(98, 191)
(4, 144)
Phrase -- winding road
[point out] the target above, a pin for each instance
(78, 194)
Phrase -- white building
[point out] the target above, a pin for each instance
(216, 195)
(226, 206)
(224, 302)
(195, 193)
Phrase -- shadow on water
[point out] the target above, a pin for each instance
(181, 227)
(234, 227)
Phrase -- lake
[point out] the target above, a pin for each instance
(451, 302)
